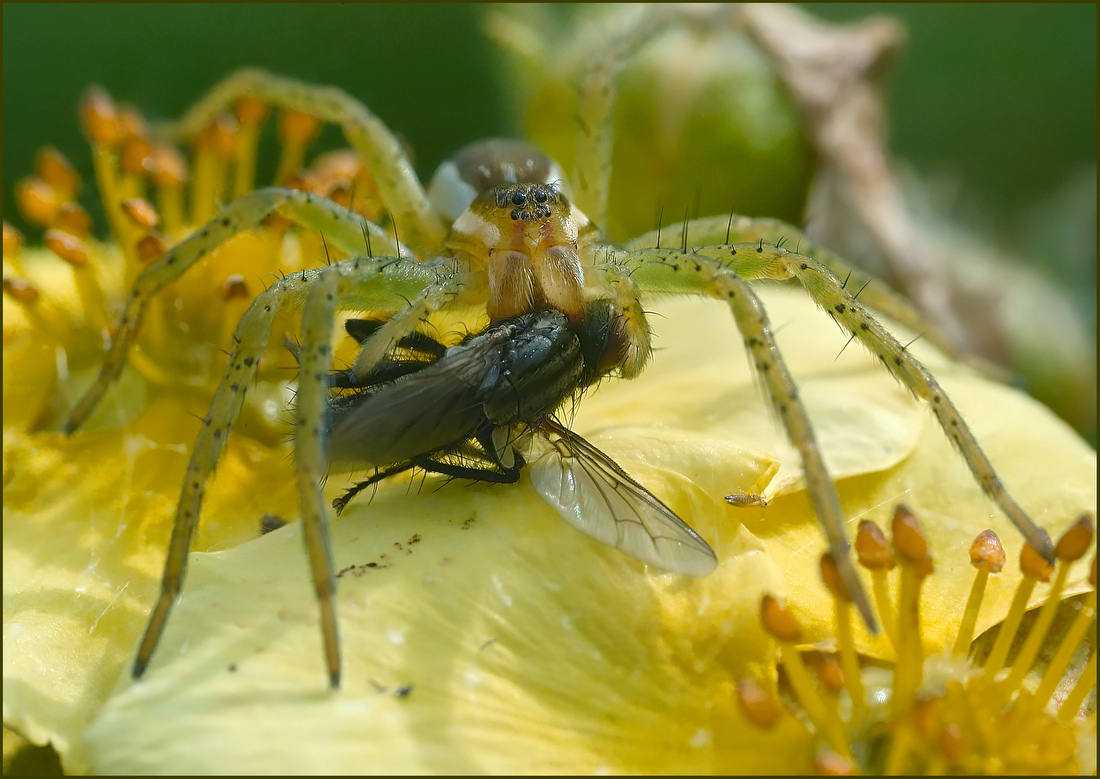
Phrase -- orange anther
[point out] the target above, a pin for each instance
(13, 240)
(73, 218)
(872, 548)
(761, 709)
(828, 668)
(1033, 565)
(778, 620)
(218, 136)
(131, 123)
(55, 169)
(986, 552)
(140, 212)
(21, 290)
(340, 195)
(1076, 541)
(151, 247)
(100, 117)
(299, 182)
(830, 574)
(829, 763)
(169, 167)
(950, 742)
(249, 110)
(66, 246)
(136, 155)
(38, 202)
(909, 540)
(298, 127)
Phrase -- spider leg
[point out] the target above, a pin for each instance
(873, 292)
(379, 150)
(667, 270)
(333, 285)
(377, 282)
(598, 91)
(344, 228)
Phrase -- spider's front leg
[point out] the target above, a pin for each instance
(722, 271)
(344, 228)
(380, 283)
(672, 271)
(377, 147)
(333, 285)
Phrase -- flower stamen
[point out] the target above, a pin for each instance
(988, 556)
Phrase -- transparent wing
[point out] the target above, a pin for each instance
(596, 496)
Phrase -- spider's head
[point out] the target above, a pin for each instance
(517, 225)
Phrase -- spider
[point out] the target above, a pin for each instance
(498, 233)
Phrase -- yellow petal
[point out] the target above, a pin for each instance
(529, 646)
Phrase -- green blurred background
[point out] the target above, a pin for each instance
(993, 105)
(1004, 96)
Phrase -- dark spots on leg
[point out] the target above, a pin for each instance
(170, 259)
(804, 266)
(249, 361)
(840, 308)
(234, 387)
(226, 221)
(733, 251)
(897, 361)
(864, 326)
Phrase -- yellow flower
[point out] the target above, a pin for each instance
(480, 633)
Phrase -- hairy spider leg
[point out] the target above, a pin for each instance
(872, 291)
(378, 148)
(379, 283)
(598, 90)
(336, 286)
(343, 227)
(665, 270)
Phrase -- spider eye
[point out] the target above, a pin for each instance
(483, 165)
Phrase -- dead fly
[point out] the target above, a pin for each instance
(479, 409)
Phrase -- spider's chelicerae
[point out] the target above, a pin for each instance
(498, 232)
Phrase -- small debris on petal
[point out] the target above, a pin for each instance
(235, 287)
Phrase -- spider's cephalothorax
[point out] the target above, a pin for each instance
(496, 233)
(528, 237)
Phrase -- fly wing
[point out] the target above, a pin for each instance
(596, 496)
(416, 414)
